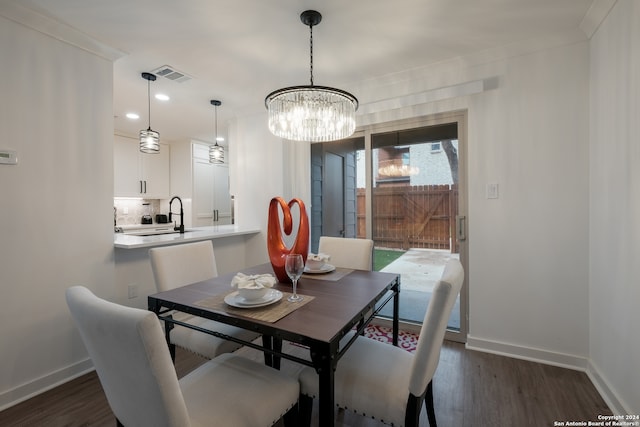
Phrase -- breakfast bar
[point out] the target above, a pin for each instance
(124, 240)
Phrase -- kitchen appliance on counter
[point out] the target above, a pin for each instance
(162, 219)
(146, 218)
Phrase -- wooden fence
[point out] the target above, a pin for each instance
(404, 217)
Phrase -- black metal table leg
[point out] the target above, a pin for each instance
(325, 365)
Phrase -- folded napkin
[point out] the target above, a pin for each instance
(319, 257)
(254, 281)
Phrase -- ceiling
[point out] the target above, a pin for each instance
(238, 51)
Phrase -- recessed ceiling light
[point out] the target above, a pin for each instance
(162, 97)
(132, 116)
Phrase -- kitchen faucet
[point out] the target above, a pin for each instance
(175, 227)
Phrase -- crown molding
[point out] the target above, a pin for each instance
(595, 15)
(57, 30)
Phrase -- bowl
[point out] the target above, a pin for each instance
(252, 294)
(315, 264)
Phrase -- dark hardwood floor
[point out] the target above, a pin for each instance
(471, 389)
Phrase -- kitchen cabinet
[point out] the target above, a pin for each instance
(204, 187)
(211, 198)
(139, 174)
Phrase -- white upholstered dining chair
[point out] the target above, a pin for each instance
(180, 265)
(134, 366)
(347, 252)
(386, 382)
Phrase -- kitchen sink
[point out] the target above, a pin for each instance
(150, 231)
(147, 230)
(153, 233)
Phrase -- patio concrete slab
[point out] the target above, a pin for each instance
(420, 270)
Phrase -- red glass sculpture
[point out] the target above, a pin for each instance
(276, 246)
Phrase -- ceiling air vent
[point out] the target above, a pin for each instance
(171, 73)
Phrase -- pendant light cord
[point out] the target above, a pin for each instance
(216, 116)
(149, 101)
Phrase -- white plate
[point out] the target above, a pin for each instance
(327, 268)
(235, 300)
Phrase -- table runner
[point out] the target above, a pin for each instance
(269, 313)
(334, 276)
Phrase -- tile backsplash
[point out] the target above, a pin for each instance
(130, 211)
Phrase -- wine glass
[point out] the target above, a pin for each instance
(294, 266)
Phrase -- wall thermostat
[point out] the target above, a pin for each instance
(8, 157)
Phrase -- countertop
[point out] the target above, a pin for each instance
(128, 241)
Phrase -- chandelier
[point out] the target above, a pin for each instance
(149, 139)
(392, 169)
(216, 152)
(311, 113)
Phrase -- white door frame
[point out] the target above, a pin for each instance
(459, 117)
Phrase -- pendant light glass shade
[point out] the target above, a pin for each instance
(149, 139)
(216, 152)
(311, 113)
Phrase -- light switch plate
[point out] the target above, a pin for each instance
(8, 157)
(492, 190)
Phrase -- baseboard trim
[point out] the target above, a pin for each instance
(33, 388)
(617, 406)
(527, 353)
(608, 394)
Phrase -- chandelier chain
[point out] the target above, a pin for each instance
(311, 51)
(311, 113)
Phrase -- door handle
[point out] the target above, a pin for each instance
(461, 227)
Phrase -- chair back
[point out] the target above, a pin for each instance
(347, 252)
(130, 354)
(434, 326)
(179, 265)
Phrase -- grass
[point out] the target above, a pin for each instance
(384, 257)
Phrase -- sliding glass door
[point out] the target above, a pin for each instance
(402, 185)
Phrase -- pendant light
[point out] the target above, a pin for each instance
(216, 152)
(149, 139)
(311, 113)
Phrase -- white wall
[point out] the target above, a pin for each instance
(528, 262)
(615, 207)
(56, 204)
(528, 250)
(255, 177)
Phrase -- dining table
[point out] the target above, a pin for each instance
(335, 303)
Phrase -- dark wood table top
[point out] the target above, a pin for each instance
(337, 306)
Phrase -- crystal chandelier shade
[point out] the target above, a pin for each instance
(395, 170)
(311, 113)
(149, 139)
